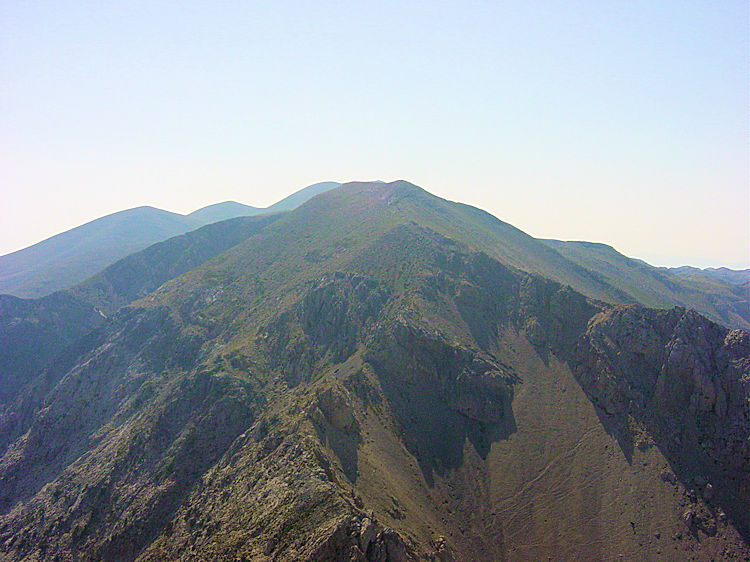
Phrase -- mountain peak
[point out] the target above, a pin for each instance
(380, 190)
(303, 195)
(222, 211)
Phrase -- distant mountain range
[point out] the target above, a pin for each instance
(376, 375)
(72, 256)
(232, 209)
(731, 276)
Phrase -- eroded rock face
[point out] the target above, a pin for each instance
(473, 384)
(481, 395)
(686, 379)
(325, 325)
(618, 358)
(336, 408)
(673, 360)
(360, 539)
(693, 367)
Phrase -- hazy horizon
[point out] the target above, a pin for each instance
(625, 124)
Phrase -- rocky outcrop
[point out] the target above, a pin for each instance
(469, 382)
(684, 378)
(333, 406)
(360, 539)
(326, 325)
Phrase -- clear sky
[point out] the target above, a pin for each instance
(618, 122)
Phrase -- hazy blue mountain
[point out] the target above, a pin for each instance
(296, 199)
(72, 256)
(231, 209)
(223, 211)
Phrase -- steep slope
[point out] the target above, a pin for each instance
(357, 381)
(33, 331)
(712, 295)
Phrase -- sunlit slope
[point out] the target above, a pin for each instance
(333, 227)
(70, 257)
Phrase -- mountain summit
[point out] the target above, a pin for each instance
(381, 374)
(223, 211)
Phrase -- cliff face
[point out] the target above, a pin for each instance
(376, 390)
(684, 379)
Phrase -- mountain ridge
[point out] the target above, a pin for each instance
(71, 256)
(719, 295)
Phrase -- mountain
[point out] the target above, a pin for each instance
(72, 256)
(709, 274)
(373, 376)
(33, 331)
(223, 211)
(718, 294)
(296, 199)
(69, 257)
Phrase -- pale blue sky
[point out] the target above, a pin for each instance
(617, 122)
